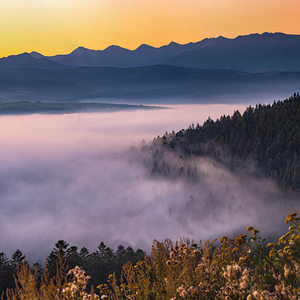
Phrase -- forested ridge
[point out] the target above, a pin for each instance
(266, 134)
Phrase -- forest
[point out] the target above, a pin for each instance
(98, 264)
(266, 135)
(244, 267)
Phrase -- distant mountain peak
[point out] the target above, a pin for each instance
(24, 54)
(35, 54)
(82, 50)
(26, 60)
(173, 44)
(264, 34)
(144, 46)
(115, 48)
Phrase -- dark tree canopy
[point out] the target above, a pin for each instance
(267, 134)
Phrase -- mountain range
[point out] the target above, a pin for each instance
(262, 64)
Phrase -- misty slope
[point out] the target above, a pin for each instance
(255, 53)
(147, 84)
(267, 135)
(92, 82)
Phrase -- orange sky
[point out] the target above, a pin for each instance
(59, 26)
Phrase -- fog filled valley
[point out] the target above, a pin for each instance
(91, 177)
(132, 195)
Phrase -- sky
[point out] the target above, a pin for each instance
(53, 27)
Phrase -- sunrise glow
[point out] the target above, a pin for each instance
(60, 26)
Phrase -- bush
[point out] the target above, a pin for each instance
(240, 268)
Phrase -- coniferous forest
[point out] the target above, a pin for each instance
(244, 267)
(268, 135)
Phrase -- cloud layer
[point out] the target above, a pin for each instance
(70, 177)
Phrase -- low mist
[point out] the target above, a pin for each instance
(75, 177)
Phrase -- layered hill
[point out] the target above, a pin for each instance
(151, 84)
(212, 70)
(255, 53)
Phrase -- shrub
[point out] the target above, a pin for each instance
(240, 268)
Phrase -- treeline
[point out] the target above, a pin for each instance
(242, 268)
(98, 264)
(266, 134)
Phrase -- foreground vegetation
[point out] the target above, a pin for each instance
(240, 268)
(99, 264)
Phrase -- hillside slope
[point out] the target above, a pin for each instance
(152, 84)
(268, 135)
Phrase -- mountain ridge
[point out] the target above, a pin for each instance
(149, 84)
(254, 53)
(265, 64)
(267, 52)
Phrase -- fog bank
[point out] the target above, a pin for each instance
(71, 177)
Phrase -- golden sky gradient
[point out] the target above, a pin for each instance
(59, 26)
